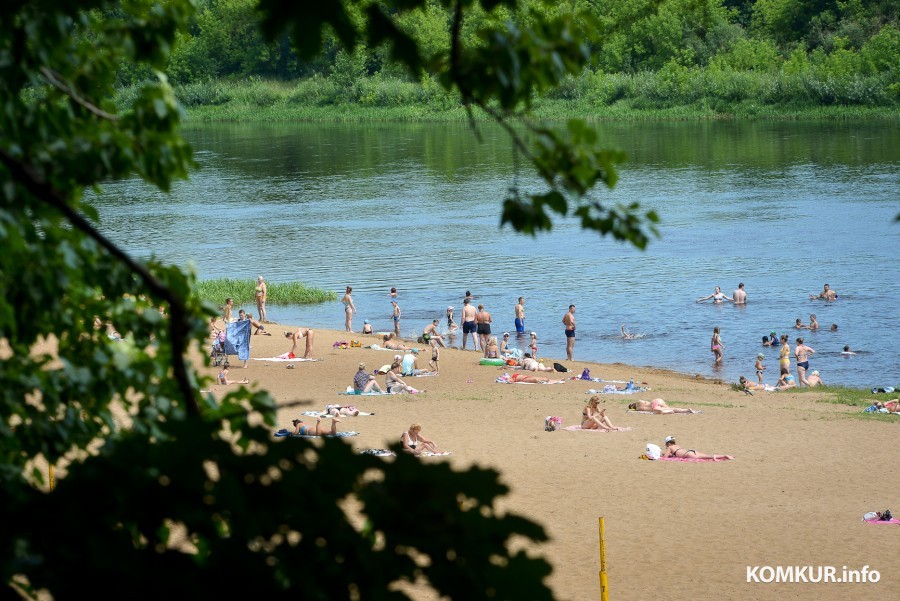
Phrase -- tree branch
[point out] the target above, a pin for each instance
(59, 84)
(178, 324)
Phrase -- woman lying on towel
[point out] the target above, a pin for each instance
(658, 406)
(303, 429)
(594, 418)
(390, 341)
(531, 364)
(529, 379)
(679, 452)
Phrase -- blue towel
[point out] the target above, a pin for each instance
(237, 339)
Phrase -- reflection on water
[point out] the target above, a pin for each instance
(782, 207)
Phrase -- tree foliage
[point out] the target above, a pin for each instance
(163, 487)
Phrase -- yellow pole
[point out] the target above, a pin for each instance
(52, 481)
(604, 585)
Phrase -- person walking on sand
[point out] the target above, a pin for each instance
(468, 323)
(483, 327)
(569, 324)
(716, 346)
(261, 292)
(349, 309)
(520, 316)
(739, 296)
(396, 317)
(802, 353)
(435, 357)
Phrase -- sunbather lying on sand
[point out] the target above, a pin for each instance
(303, 429)
(658, 406)
(674, 450)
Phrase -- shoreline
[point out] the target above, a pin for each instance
(564, 480)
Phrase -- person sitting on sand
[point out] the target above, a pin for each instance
(253, 323)
(414, 443)
(364, 382)
(431, 333)
(786, 380)
(222, 378)
(814, 379)
(301, 428)
(529, 363)
(594, 418)
(674, 450)
(367, 327)
(395, 384)
(659, 407)
(492, 351)
(528, 379)
(747, 386)
(307, 333)
(390, 341)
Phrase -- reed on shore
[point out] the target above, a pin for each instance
(277, 293)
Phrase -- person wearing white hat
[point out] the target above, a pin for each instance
(679, 452)
(534, 345)
(451, 325)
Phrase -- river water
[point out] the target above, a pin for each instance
(782, 207)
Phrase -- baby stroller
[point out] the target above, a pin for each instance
(218, 350)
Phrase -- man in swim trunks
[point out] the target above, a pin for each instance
(520, 315)
(569, 323)
(826, 294)
(396, 317)
(483, 327)
(302, 429)
(739, 296)
(430, 334)
(468, 319)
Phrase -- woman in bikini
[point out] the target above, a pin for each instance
(658, 406)
(717, 297)
(261, 295)
(349, 309)
(414, 443)
(784, 355)
(673, 450)
(594, 418)
(716, 346)
(530, 379)
(802, 352)
(492, 351)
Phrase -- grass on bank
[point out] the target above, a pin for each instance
(673, 93)
(277, 293)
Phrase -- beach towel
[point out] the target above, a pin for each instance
(283, 432)
(652, 413)
(689, 460)
(430, 454)
(580, 429)
(323, 414)
(285, 357)
(354, 393)
(894, 521)
(375, 347)
(378, 452)
(504, 381)
(611, 389)
(237, 339)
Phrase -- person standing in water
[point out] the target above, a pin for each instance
(716, 346)
(349, 309)
(520, 316)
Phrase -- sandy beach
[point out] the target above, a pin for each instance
(805, 471)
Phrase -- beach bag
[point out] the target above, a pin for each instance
(552, 423)
(512, 362)
(559, 367)
(653, 451)
(586, 374)
(886, 516)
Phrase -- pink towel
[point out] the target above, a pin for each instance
(688, 459)
(877, 521)
(580, 429)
